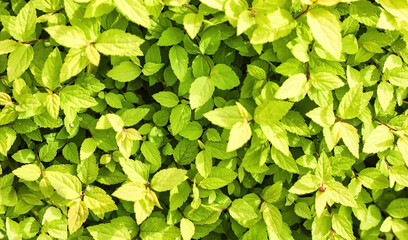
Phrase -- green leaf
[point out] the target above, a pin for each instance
(75, 96)
(77, 215)
(109, 231)
(323, 116)
(224, 77)
(271, 112)
(272, 217)
(385, 93)
(380, 139)
(166, 99)
(135, 170)
(192, 131)
(273, 193)
(277, 136)
(178, 61)
(225, 117)
(185, 152)
(25, 23)
(131, 191)
(29, 227)
(192, 23)
(166, 179)
(135, 11)
(118, 42)
(19, 60)
(171, 36)
(242, 212)
(303, 210)
(342, 226)
(13, 230)
(240, 134)
(338, 193)
(88, 170)
(151, 153)
(201, 91)
(179, 195)
(97, 200)
(218, 178)
(326, 30)
(179, 118)
(351, 103)
(125, 139)
(350, 137)
(325, 81)
(323, 168)
(151, 68)
(66, 185)
(157, 228)
(51, 71)
(29, 172)
(187, 229)
(8, 136)
(68, 36)
(126, 71)
(75, 61)
(8, 46)
(88, 147)
(204, 163)
(24, 156)
(285, 162)
(398, 208)
(293, 86)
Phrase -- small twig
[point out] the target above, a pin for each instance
(257, 194)
(39, 164)
(34, 41)
(303, 12)
(386, 163)
(383, 123)
(354, 172)
(62, 87)
(58, 10)
(208, 63)
(190, 8)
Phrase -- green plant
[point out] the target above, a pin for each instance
(213, 119)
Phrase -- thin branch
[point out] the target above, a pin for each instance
(208, 63)
(190, 8)
(39, 163)
(386, 163)
(62, 87)
(383, 123)
(257, 194)
(34, 41)
(303, 12)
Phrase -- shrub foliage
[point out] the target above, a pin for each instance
(213, 119)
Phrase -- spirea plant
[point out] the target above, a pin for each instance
(210, 119)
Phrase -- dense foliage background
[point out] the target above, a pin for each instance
(212, 119)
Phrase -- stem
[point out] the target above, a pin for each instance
(383, 123)
(34, 41)
(62, 87)
(208, 63)
(354, 172)
(257, 194)
(338, 119)
(386, 163)
(188, 7)
(83, 192)
(39, 164)
(303, 12)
